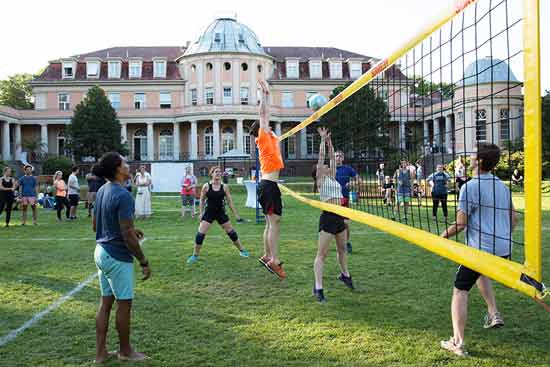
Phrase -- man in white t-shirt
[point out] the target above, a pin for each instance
(74, 192)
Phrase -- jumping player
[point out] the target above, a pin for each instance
(214, 194)
(269, 194)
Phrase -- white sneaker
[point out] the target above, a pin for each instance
(451, 346)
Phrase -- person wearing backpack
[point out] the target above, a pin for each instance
(438, 182)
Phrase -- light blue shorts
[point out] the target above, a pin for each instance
(116, 278)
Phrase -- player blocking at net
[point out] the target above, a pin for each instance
(269, 195)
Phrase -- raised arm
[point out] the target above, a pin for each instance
(264, 107)
(331, 156)
(321, 160)
(230, 202)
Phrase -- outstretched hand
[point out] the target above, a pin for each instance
(323, 132)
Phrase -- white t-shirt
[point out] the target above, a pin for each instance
(74, 187)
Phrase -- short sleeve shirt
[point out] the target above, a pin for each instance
(440, 180)
(113, 204)
(487, 203)
(28, 186)
(74, 187)
(343, 176)
(269, 152)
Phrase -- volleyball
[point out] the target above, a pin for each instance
(317, 101)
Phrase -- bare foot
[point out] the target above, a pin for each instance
(133, 357)
(104, 357)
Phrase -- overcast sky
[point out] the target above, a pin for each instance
(34, 32)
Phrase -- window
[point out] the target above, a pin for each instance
(227, 140)
(68, 70)
(244, 66)
(459, 116)
(227, 66)
(217, 37)
(505, 125)
(114, 69)
(159, 70)
(241, 38)
(227, 95)
(315, 70)
(247, 141)
(209, 95)
(40, 102)
(244, 95)
(114, 98)
(165, 100)
(287, 99)
(259, 68)
(292, 69)
(140, 145)
(209, 66)
(193, 68)
(61, 143)
(481, 125)
(335, 70)
(312, 141)
(63, 100)
(289, 147)
(92, 69)
(166, 145)
(135, 69)
(308, 96)
(208, 142)
(139, 101)
(194, 99)
(382, 92)
(355, 70)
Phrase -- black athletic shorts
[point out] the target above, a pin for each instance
(331, 223)
(212, 215)
(466, 277)
(269, 197)
(73, 199)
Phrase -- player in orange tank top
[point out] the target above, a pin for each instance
(269, 194)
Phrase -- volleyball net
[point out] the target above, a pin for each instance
(408, 126)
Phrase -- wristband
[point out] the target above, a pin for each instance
(144, 265)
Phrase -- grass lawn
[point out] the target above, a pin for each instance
(228, 311)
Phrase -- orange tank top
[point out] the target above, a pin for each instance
(269, 151)
(60, 188)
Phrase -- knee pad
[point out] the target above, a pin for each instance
(233, 235)
(199, 239)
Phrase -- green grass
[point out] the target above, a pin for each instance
(228, 311)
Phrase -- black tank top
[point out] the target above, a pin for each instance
(7, 184)
(215, 200)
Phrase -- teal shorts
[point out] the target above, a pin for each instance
(403, 198)
(116, 278)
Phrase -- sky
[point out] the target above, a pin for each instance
(36, 31)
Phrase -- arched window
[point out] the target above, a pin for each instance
(208, 142)
(166, 145)
(312, 141)
(247, 141)
(61, 147)
(481, 125)
(228, 142)
(140, 145)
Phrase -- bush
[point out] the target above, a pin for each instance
(546, 169)
(508, 163)
(53, 164)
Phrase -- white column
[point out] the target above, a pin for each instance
(216, 132)
(193, 145)
(236, 82)
(402, 135)
(218, 92)
(253, 83)
(437, 133)
(150, 141)
(44, 137)
(176, 140)
(426, 137)
(18, 142)
(470, 131)
(303, 143)
(240, 147)
(123, 132)
(6, 141)
(200, 85)
(449, 133)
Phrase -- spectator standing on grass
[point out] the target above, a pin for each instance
(460, 172)
(143, 198)
(60, 189)
(486, 213)
(7, 193)
(439, 183)
(188, 187)
(74, 192)
(117, 244)
(29, 191)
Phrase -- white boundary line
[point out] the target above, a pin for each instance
(37, 317)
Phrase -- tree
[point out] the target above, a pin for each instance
(359, 125)
(94, 127)
(16, 92)
(546, 125)
(426, 88)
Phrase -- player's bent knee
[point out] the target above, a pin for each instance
(233, 235)
(199, 238)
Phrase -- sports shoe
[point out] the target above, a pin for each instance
(349, 249)
(494, 321)
(318, 293)
(450, 346)
(192, 259)
(244, 253)
(276, 269)
(346, 280)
